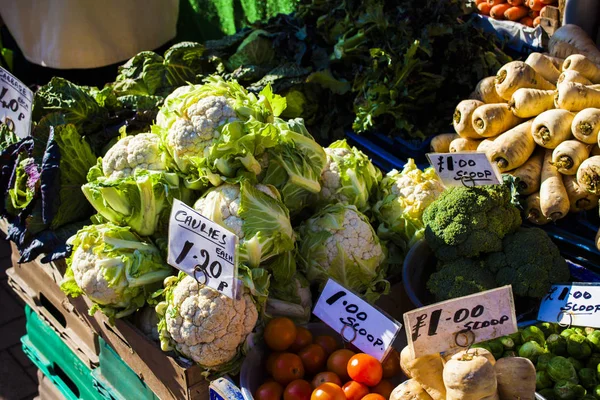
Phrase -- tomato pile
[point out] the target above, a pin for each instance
(303, 367)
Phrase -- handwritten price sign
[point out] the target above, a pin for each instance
(15, 104)
(202, 249)
(573, 304)
(356, 320)
(461, 322)
(464, 168)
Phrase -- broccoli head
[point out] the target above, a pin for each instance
(469, 221)
(460, 278)
(529, 261)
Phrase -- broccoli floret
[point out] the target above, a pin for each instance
(529, 261)
(469, 221)
(460, 278)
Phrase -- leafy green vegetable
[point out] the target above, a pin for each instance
(560, 369)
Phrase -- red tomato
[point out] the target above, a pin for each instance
(354, 390)
(338, 363)
(328, 391)
(324, 377)
(280, 333)
(269, 391)
(365, 369)
(328, 343)
(303, 339)
(313, 357)
(271, 361)
(297, 390)
(384, 388)
(288, 367)
(374, 396)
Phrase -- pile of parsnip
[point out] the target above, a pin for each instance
(472, 374)
(537, 120)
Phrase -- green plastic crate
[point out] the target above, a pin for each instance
(56, 360)
(114, 379)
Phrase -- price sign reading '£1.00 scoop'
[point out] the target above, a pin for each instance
(15, 104)
(464, 169)
(203, 249)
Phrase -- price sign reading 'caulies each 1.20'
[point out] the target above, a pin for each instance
(461, 322)
(464, 169)
(15, 104)
(202, 249)
(576, 304)
(356, 320)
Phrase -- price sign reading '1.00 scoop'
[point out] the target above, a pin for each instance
(576, 304)
(464, 169)
(356, 320)
(15, 104)
(461, 322)
(202, 249)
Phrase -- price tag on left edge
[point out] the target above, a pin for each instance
(576, 304)
(15, 104)
(202, 249)
(356, 320)
(464, 169)
(461, 322)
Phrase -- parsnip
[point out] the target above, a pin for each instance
(543, 66)
(462, 144)
(571, 39)
(426, 370)
(529, 103)
(588, 175)
(441, 143)
(584, 66)
(513, 148)
(486, 144)
(516, 75)
(579, 199)
(576, 97)
(492, 119)
(529, 174)
(552, 127)
(556, 61)
(462, 122)
(554, 201)
(516, 378)
(569, 155)
(586, 125)
(598, 239)
(573, 76)
(486, 91)
(533, 210)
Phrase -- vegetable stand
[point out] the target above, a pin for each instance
(322, 205)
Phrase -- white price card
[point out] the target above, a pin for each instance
(461, 322)
(203, 249)
(357, 321)
(575, 304)
(15, 104)
(464, 169)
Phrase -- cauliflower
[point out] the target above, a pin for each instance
(348, 177)
(402, 199)
(255, 214)
(204, 325)
(197, 129)
(132, 153)
(339, 242)
(114, 268)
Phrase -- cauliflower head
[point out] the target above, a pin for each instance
(132, 153)
(339, 242)
(348, 177)
(402, 199)
(469, 221)
(114, 268)
(255, 214)
(204, 325)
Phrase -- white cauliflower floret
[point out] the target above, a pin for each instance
(330, 177)
(355, 238)
(90, 278)
(132, 153)
(228, 198)
(193, 133)
(207, 326)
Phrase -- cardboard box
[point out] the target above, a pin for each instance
(167, 377)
